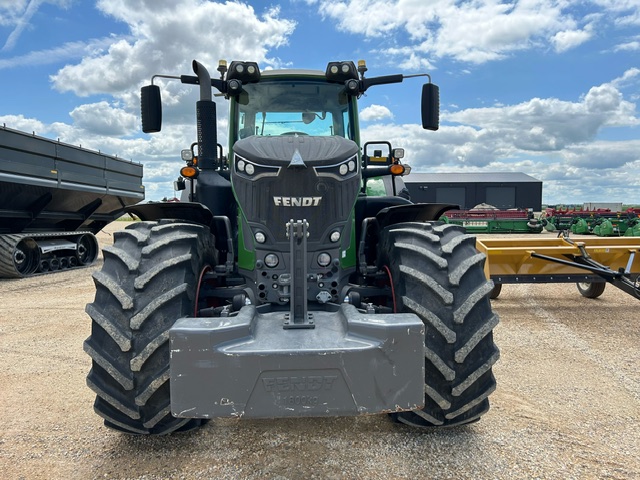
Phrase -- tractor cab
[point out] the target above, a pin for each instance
(296, 103)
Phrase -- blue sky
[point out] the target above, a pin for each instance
(545, 87)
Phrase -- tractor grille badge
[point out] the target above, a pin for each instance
(296, 160)
(296, 201)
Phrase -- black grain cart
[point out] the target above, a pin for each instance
(53, 198)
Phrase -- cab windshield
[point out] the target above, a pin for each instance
(297, 107)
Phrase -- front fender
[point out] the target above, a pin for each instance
(188, 211)
(414, 212)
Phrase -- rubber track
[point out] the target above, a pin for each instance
(9, 242)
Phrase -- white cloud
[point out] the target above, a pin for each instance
(476, 31)
(19, 122)
(66, 52)
(627, 11)
(569, 39)
(18, 14)
(552, 124)
(630, 77)
(104, 119)
(374, 113)
(629, 46)
(526, 136)
(168, 36)
(11, 11)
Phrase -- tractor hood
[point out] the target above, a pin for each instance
(285, 149)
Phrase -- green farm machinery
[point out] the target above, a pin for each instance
(599, 222)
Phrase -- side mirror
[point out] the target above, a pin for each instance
(151, 109)
(430, 106)
(377, 154)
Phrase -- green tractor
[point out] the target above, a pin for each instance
(282, 289)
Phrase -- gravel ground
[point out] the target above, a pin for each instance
(567, 404)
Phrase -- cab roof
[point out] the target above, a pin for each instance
(293, 72)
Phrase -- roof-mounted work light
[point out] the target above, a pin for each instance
(341, 71)
(246, 72)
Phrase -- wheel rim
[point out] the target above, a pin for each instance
(26, 257)
(86, 249)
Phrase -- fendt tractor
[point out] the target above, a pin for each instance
(283, 289)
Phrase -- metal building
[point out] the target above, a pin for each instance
(502, 190)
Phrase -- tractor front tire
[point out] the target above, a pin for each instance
(437, 273)
(148, 281)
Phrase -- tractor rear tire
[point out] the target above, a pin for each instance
(148, 281)
(437, 273)
(591, 289)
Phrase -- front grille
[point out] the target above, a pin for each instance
(300, 194)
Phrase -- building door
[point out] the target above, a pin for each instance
(452, 195)
(501, 197)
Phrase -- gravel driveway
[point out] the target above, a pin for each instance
(567, 403)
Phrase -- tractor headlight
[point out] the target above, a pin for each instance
(271, 260)
(335, 236)
(347, 168)
(260, 237)
(249, 169)
(324, 259)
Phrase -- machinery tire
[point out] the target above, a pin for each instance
(148, 281)
(86, 249)
(437, 273)
(591, 289)
(495, 293)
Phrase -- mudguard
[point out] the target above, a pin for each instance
(415, 212)
(189, 211)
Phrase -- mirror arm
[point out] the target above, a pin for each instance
(418, 75)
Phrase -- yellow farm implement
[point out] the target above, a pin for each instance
(591, 263)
